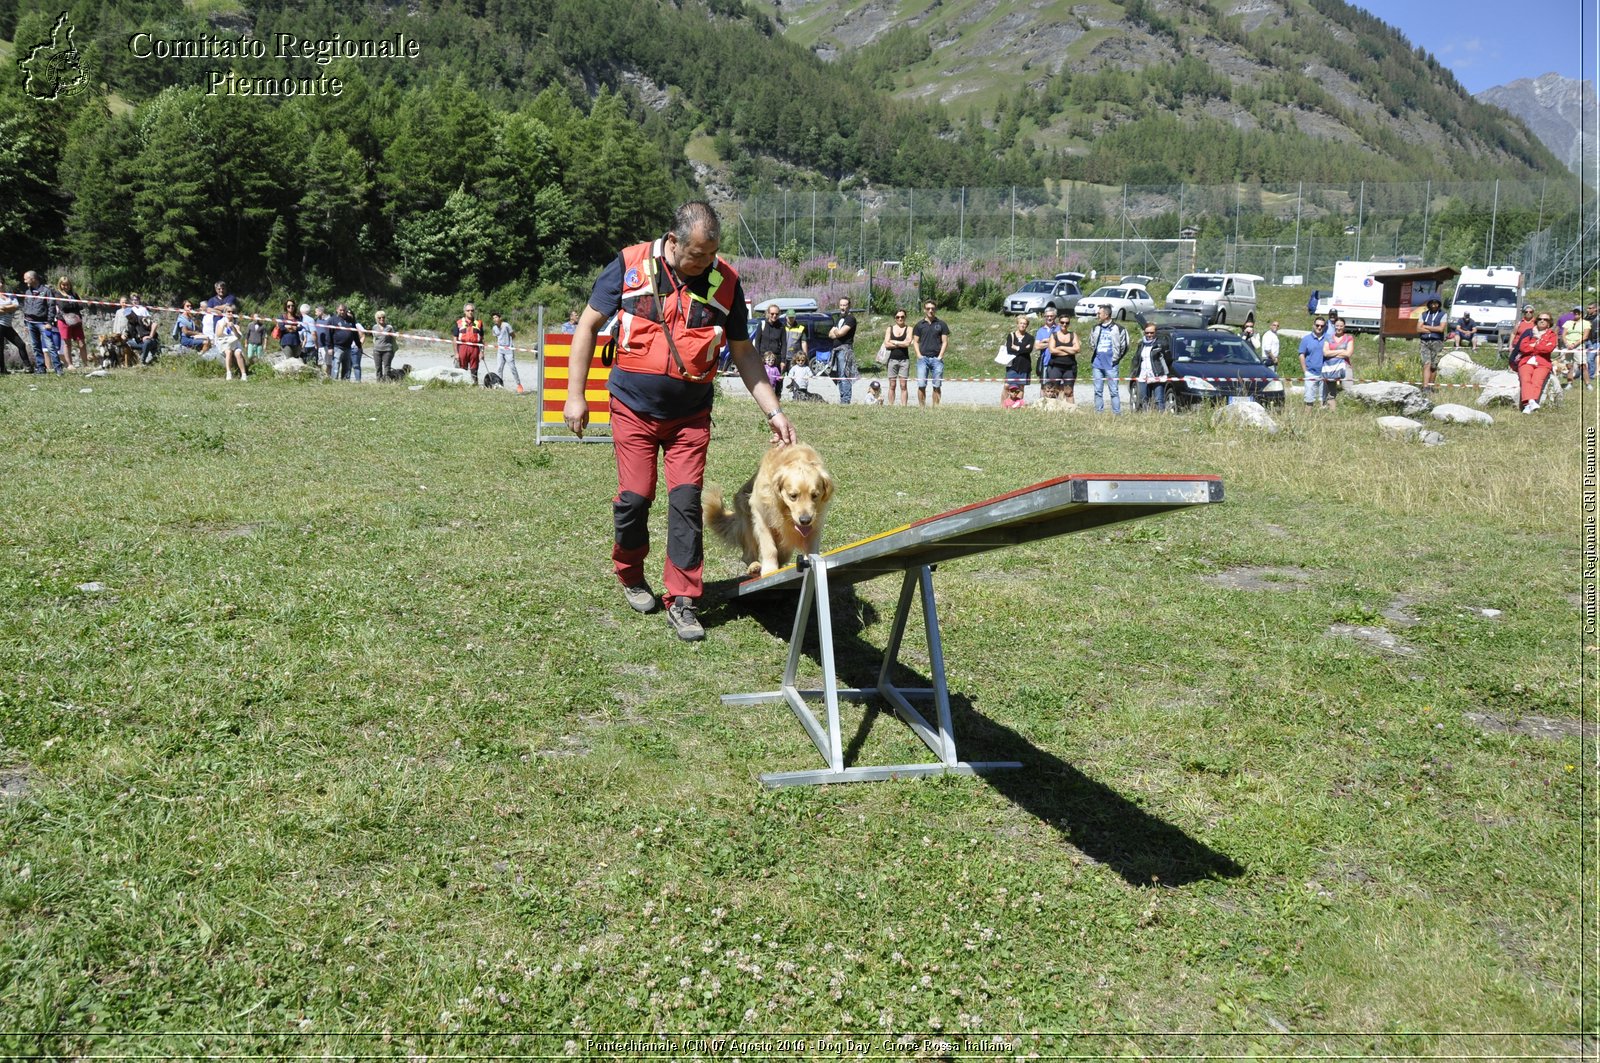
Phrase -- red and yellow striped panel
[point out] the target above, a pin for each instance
(557, 348)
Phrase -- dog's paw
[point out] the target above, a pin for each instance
(754, 569)
(766, 570)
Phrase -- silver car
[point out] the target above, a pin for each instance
(1035, 296)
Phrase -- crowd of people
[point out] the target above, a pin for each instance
(335, 343)
(52, 339)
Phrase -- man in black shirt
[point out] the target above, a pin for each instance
(771, 337)
(843, 334)
(931, 336)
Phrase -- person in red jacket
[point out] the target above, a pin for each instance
(1530, 357)
(676, 300)
(469, 340)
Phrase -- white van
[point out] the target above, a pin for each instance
(1219, 298)
(1356, 296)
(1492, 296)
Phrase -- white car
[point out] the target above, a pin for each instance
(1123, 300)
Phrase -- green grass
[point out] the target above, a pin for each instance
(360, 751)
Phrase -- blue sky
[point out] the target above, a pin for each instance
(1490, 42)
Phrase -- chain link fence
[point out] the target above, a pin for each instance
(1287, 233)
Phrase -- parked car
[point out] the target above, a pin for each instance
(1035, 296)
(800, 304)
(1212, 365)
(1220, 297)
(1123, 300)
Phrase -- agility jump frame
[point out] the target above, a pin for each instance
(1056, 507)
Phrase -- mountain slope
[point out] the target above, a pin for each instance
(1310, 70)
(1553, 107)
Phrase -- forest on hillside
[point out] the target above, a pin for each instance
(524, 143)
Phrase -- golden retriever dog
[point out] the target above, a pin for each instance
(777, 513)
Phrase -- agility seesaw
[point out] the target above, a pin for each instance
(1043, 511)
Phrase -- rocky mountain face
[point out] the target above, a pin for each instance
(1326, 69)
(1554, 108)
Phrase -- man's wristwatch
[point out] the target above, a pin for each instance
(775, 411)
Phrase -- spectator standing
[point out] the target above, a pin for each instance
(1108, 345)
(843, 334)
(1061, 375)
(286, 329)
(504, 340)
(1591, 344)
(1574, 343)
(570, 327)
(344, 335)
(932, 340)
(676, 295)
(219, 298)
(897, 344)
(8, 333)
(308, 337)
(322, 331)
(771, 337)
(255, 339)
(800, 378)
(769, 361)
(1311, 354)
(1041, 343)
(1530, 358)
(469, 334)
(69, 324)
(1248, 334)
(383, 345)
(1561, 322)
(1150, 372)
(1338, 362)
(39, 315)
(1431, 327)
(1270, 345)
(1019, 345)
(794, 342)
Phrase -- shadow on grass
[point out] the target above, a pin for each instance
(1101, 823)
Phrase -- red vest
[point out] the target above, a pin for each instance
(469, 336)
(655, 306)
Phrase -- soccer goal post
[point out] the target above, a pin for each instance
(1119, 256)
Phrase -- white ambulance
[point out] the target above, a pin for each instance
(1492, 296)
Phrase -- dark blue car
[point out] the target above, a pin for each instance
(1212, 365)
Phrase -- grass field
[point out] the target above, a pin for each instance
(324, 731)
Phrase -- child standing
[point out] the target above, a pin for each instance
(255, 340)
(774, 374)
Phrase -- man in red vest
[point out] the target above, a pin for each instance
(469, 340)
(676, 301)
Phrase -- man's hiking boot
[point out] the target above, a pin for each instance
(684, 623)
(641, 598)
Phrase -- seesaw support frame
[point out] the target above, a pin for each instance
(1062, 506)
(940, 739)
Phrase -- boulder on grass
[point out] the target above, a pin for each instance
(1431, 438)
(1244, 415)
(289, 366)
(1501, 394)
(1390, 394)
(1399, 427)
(442, 374)
(1456, 414)
(1454, 363)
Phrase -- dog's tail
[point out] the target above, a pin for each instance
(718, 517)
